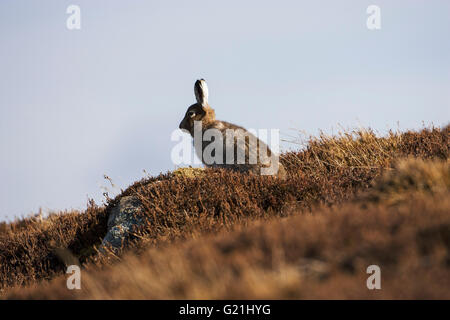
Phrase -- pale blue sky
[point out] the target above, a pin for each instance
(75, 105)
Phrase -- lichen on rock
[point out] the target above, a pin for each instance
(121, 222)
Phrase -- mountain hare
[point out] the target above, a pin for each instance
(224, 145)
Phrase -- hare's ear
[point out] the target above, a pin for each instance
(201, 92)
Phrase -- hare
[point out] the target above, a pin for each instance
(224, 145)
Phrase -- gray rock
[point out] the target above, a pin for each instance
(122, 218)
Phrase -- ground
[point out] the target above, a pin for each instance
(350, 201)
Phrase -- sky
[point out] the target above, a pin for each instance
(104, 99)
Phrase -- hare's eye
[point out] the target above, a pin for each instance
(191, 114)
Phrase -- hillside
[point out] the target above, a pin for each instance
(350, 201)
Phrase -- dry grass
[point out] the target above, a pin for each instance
(347, 203)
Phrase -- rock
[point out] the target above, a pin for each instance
(122, 218)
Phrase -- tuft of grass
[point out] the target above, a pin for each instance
(412, 175)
